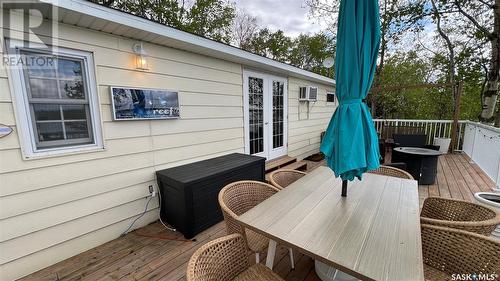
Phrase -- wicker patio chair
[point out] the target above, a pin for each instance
(391, 172)
(237, 198)
(283, 178)
(225, 259)
(448, 251)
(459, 214)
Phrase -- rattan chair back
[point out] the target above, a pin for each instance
(238, 197)
(459, 214)
(453, 251)
(283, 178)
(391, 172)
(221, 259)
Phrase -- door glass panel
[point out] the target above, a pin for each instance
(278, 113)
(256, 114)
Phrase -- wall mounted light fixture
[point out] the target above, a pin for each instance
(141, 57)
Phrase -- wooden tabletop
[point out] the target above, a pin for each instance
(373, 234)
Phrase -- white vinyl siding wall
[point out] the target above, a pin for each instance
(53, 208)
(303, 132)
(56, 207)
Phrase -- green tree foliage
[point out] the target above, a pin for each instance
(473, 27)
(306, 51)
(402, 70)
(275, 45)
(309, 51)
(209, 18)
(409, 68)
(405, 57)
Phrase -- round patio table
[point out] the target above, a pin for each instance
(421, 163)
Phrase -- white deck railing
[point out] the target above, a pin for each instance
(482, 144)
(432, 128)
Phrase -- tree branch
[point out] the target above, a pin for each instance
(473, 20)
(448, 42)
(490, 5)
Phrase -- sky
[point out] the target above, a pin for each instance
(291, 16)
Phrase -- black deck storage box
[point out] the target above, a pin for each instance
(189, 192)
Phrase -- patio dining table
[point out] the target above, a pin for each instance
(373, 234)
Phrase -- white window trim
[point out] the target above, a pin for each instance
(21, 106)
(334, 100)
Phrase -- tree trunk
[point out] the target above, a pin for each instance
(377, 81)
(456, 115)
(451, 57)
(497, 119)
(378, 72)
(490, 94)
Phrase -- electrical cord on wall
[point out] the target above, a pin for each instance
(136, 219)
(145, 211)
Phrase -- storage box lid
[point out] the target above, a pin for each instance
(206, 168)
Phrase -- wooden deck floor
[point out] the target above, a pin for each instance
(153, 253)
(457, 178)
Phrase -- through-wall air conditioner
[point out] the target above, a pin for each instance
(308, 93)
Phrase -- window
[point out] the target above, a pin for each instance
(256, 114)
(330, 97)
(59, 102)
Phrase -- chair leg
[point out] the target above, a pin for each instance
(271, 251)
(257, 258)
(290, 252)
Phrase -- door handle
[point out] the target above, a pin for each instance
(266, 123)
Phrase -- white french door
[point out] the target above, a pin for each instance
(266, 116)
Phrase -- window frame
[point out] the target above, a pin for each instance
(25, 119)
(334, 97)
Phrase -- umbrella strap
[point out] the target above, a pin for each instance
(351, 101)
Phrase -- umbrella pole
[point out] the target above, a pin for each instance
(344, 188)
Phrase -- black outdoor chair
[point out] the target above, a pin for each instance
(409, 140)
(415, 140)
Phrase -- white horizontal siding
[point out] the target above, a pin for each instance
(32, 262)
(48, 237)
(4, 90)
(10, 142)
(113, 77)
(61, 194)
(95, 39)
(7, 114)
(21, 225)
(304, 129)
(53, 208)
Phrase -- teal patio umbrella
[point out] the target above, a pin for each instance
(350, 143)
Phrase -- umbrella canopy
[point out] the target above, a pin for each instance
(350, 144)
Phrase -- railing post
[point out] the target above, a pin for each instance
(473, 144)
(497, 183)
